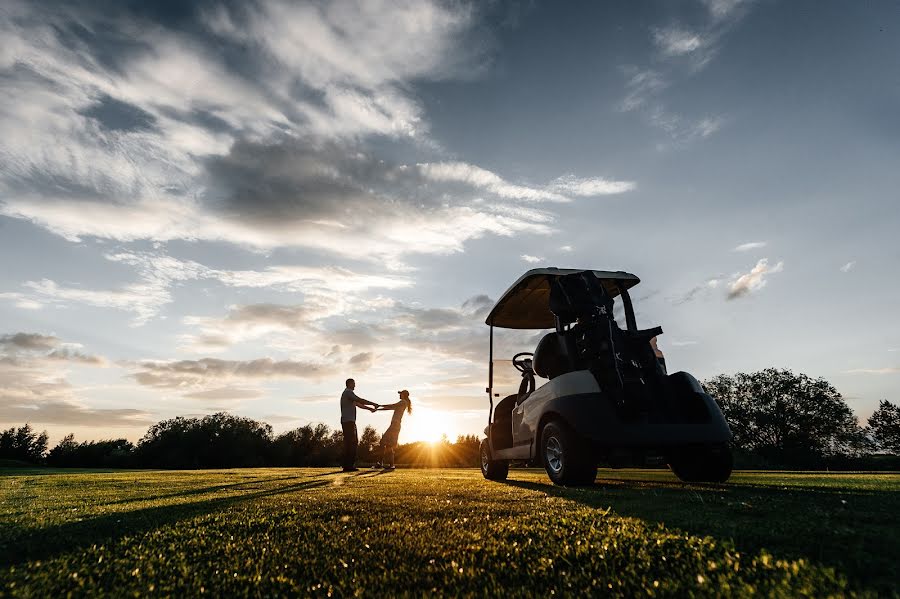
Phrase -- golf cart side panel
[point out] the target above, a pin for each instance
(526, 416)
(594, 418)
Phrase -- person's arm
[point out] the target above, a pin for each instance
(389, 406)
(362, 403)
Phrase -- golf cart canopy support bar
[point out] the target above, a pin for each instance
(526, 305)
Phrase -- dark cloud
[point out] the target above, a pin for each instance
(29, 341)
(299, 180)
(478, 306)
(67, 355)
(362, 361)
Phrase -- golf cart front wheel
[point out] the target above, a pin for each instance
(492, 469)
(567, 459)
(702, 463)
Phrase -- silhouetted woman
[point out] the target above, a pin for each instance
(389, 438)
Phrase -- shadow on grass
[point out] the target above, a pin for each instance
(48, 542)
(201, 491)
(856, 532)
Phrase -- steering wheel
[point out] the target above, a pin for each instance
(519, 361)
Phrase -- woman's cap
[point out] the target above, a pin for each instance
(404, 392)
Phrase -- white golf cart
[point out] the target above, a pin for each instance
(607, 396)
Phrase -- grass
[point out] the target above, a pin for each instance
(274, 532)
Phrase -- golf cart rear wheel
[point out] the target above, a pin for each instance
(492, 469)
(567, 459)
(702, 463)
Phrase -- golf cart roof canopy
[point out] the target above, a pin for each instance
(526, 304)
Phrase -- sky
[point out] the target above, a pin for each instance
(235, 206)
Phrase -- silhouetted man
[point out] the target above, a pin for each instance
(349, 403)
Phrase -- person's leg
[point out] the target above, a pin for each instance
(350, 444)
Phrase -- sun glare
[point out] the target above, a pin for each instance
(426, 425)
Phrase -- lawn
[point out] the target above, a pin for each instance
(414, 532)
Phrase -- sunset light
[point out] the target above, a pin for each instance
(426, 425)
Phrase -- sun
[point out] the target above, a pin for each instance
(426, 425)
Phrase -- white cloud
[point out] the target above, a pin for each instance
(643, 86)
(753, 281)
(681, 343)
(751, 245)
(460, 172)
(531, 259)
(674, 41)
(22, 301)
(888, 370)
(848, 266)
(594, 186)
(721, 10)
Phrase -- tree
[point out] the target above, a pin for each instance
(114, 453)
(884, 427)
(216, 441)
(23, 444)
(785, 418)
(368, 444)
(305, 446)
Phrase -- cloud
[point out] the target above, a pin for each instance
(566, 248)
(29, 341)
(754, 280)
(848, 266)
(592, 186)
(721, 10)
(697, 291)
(888, 370)
(460, 172)
(22, 301)
(362, 361)
(225, 393)
(752, 245)
(531, 259)
(642, 87)
(248, 124)
(682, 52)
(190, 374)
(328, 287)
(33, 350)
(681, 343)
(674, 41)
(33, 385)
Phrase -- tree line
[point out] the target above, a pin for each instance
(224, 440)
(779, 420)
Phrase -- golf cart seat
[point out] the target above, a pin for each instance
(554, 355)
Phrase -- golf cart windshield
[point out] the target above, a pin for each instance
(526, 304)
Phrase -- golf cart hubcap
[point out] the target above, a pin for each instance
(484, 459)
(554, 454)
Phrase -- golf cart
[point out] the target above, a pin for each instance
(606, 396)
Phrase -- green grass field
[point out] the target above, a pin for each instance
(414, 532)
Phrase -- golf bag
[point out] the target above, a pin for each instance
(623, 362)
